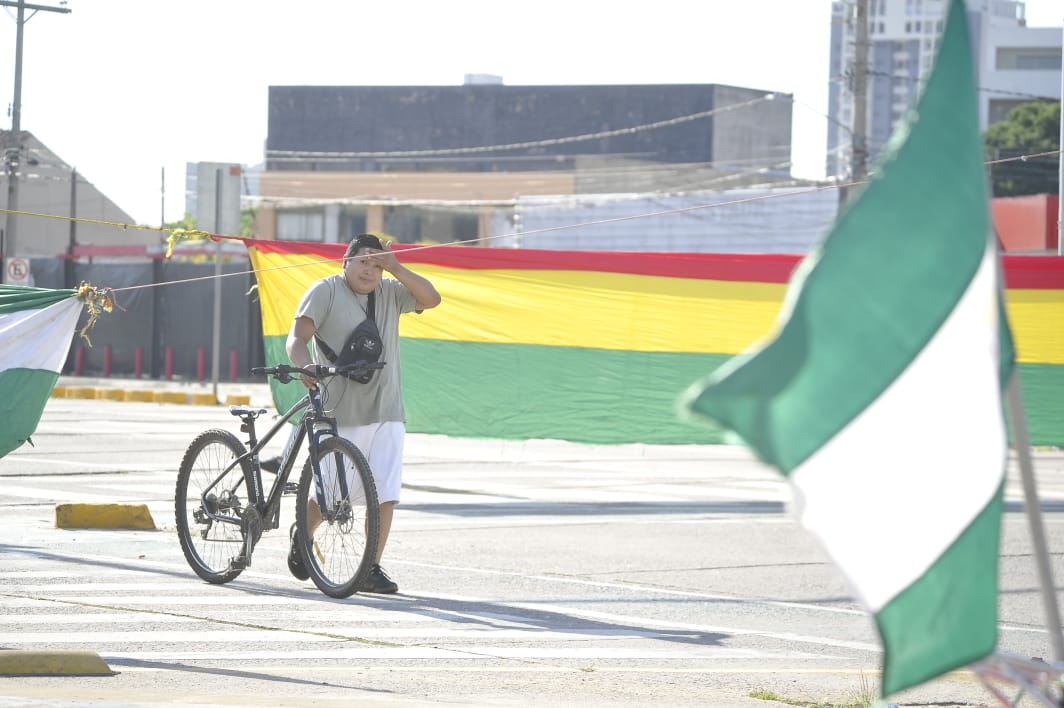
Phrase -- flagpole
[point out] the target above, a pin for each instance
(1021, 440)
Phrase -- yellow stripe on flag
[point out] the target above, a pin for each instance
(1037, 320)
(591, 309)
(584, 309)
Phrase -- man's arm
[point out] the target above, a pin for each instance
(420, 287)
(298, 351)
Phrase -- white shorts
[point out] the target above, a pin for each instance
(382, 446)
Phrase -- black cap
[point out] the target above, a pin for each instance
(363, 241)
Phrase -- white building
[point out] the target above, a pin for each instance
(762, 219)
(1014, 64)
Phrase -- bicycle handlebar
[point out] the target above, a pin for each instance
(284, 373)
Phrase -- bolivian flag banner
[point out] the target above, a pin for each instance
(880, 395)
(592, 347)
(579, 346)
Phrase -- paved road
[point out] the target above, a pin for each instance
(530, 572)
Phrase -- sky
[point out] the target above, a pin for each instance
(124, 90)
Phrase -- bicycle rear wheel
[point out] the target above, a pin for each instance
(204, 488)
(340, 551)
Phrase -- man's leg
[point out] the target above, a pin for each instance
(387, 510)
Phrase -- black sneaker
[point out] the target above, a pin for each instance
(295, 563)
(378, 581)
(272, 464)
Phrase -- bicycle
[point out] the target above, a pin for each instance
(222, 508)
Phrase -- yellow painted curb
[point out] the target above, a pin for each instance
(58, 392)
(103, 516)
(238, 399)
(170, 397)
(110, 394)
(71, 662)
(139, 394)
(202, 399)
(80, 392)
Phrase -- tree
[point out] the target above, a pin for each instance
(1029, 129)
(187, 223)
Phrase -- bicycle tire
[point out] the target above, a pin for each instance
(343, 547)
(211, 546)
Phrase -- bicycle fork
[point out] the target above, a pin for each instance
(330, 507)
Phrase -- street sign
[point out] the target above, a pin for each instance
(17, 271)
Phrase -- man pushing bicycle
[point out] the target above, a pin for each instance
(354, 315)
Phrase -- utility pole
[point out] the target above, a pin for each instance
(1060, 175)
(859, 157)
(13, 151)
(162, 197)
(69, 266)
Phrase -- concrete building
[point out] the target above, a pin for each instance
(46, 185)
(448, 163)
(1014, 64)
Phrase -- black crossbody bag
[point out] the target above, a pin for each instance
(363, 345)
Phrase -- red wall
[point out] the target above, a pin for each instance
(1027, 224)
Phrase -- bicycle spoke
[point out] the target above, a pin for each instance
(206, 497)
(342, 546)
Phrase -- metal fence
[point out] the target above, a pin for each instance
(163, 322)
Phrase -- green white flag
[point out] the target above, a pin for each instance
(879, 396)
(36, 328)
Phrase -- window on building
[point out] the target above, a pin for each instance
(1028, 59)
(300, 225)
(416, 224)
(998, 109)
(352, 222)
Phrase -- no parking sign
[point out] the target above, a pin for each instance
(17, 271)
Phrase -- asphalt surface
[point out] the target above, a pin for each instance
(530, 572)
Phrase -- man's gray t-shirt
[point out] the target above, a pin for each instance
(336, 310)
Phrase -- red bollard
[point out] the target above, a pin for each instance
(234, 361)
(201, 364)
(79, 361)
(138, 362)
(169, 363)
(107, 361)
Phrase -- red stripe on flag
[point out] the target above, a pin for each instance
(742, 267)
(1021, 272)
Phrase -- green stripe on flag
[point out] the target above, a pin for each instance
(23, 395)
(14, 298)
(439, 399)
(519, 392)
(533, 391)
(927, 629)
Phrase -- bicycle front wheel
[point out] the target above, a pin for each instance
(206, 494)
(337, 531)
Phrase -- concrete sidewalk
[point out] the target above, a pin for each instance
(175, 391)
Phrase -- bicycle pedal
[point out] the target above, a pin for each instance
(237, 564)
(291, 487)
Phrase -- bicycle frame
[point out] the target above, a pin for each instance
(314, 426)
